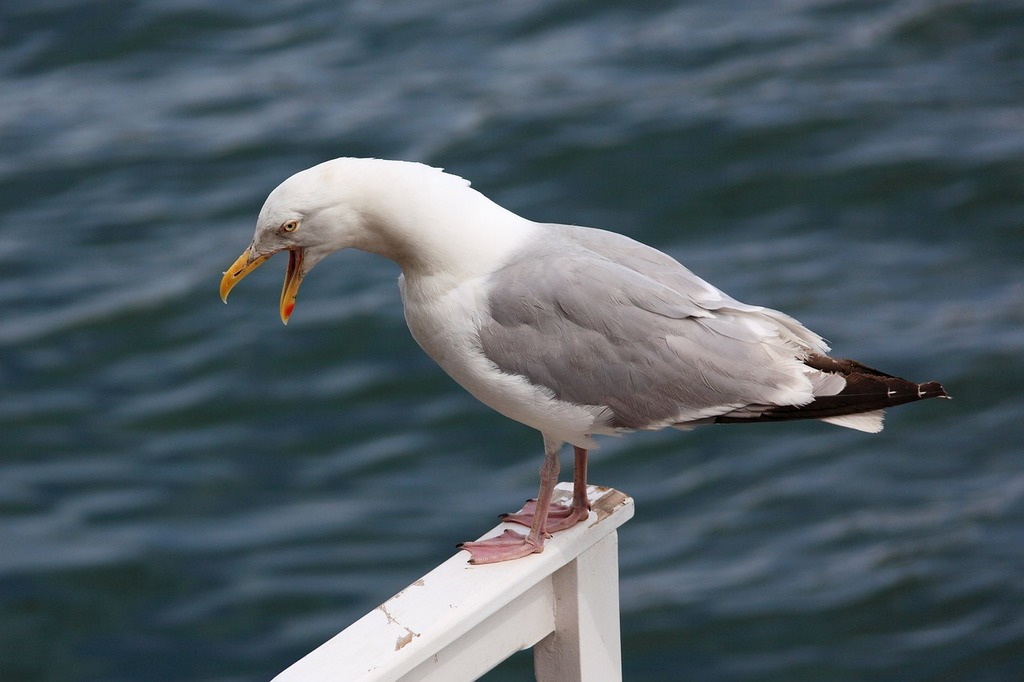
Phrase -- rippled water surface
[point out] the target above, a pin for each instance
(190, 491)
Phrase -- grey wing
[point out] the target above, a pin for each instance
(602, 320)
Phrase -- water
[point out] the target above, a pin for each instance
(190, 491)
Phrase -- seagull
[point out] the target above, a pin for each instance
(573, 331)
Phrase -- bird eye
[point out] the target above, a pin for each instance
(290, 226)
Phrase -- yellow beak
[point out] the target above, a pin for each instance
(246, 264)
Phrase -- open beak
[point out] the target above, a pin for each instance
(246, 264)
(292, 280)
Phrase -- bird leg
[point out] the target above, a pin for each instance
(513, 545)
(560, 517)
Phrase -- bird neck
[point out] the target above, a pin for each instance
(436, 227)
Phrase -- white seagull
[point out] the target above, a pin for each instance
(571, 330)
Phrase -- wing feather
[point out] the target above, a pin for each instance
(602, 320)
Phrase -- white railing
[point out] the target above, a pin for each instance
(459, 621)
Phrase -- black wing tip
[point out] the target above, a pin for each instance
(933, 389)
(867, 390)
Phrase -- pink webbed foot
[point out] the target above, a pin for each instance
(505, 547)
(560, 517)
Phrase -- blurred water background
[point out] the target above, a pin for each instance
(190, 491)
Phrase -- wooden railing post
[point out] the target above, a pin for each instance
(585, 645)
(459, 621)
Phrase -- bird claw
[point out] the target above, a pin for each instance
(560, 517)
(509, 545)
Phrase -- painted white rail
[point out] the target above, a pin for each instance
(459, 621)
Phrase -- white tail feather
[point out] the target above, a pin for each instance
(869, 422)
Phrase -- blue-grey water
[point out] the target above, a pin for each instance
(191, 491)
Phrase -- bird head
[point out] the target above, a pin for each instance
(308, 216)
